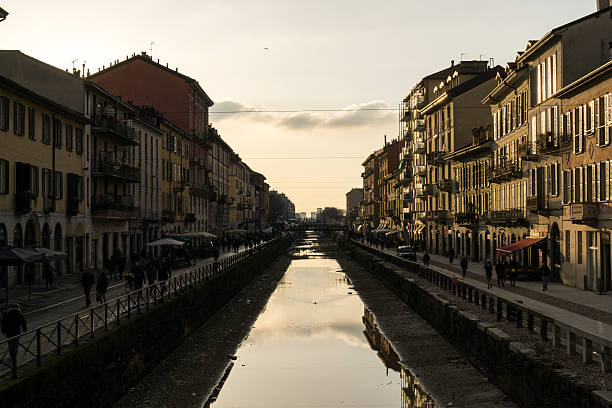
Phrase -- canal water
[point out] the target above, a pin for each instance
(315, 345)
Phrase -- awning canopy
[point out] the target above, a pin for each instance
(165, 242)
(517, 246)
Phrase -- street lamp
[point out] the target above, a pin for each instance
(3, 14)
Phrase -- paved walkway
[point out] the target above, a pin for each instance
(47, 305)
(582, 302)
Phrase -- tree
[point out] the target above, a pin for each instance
(332, 215)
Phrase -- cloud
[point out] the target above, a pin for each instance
(352, 116)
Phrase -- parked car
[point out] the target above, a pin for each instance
(407, 252)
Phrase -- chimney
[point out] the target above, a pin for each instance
(385, 140)
(452, 63)
(602, 4)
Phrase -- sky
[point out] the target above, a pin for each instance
(287, 55)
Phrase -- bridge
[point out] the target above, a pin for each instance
(314, 226)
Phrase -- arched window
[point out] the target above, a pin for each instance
(3, 235)
(46, 236)
(57, 237)
(18, 236)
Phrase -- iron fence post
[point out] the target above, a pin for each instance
(38, 348)
(118, 312)
(59, 337)
(106, 316)
(76, 329)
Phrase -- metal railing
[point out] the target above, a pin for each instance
(67, 332)
(588, 343)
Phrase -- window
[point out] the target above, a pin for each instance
(567, 246)
(46, 128)
(69, 139)
(31, 123)
(589, 113)
(4, 113)
(18, 118)
(539, 83)
(57, 135)
(34, 180)
(554, 73)
(4, 176)
(58, 185)
(579, 247)
(577, 122)
(79, 141)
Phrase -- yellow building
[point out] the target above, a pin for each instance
(174, 186)
(42, 168)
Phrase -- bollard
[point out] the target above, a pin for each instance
(587, 350)
(571, 343)
(543, 330)
(556, 335)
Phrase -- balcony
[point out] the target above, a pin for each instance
(421, 216)
(180, 187)
(417, 101)
(435, 158)
(431, 189)
(406, 116)
(466, 219)
(508, 218)
(114, 127)
(418, 147)
(419, 192)
(444, 217)
(367, 172)
(550, 144)
(108, 206)
(505, 172)
(527, 152)
(107, 165)
(420, 170)
(48, 204)
(448, 185)
(168, 215)
(190, 217)
(151, 216)
(538, 204)
(581, 212)
(418, 124)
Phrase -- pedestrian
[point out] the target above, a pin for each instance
(426, 259)
(48, 275)
(101, 287)
(499, 272)
(152, 272)
(512, 271)
(451, 255)
(545, 274)
(87, 281)
(488, 273)
(464, 266)
(13, 324)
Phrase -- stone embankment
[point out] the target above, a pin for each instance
(525, 376)
(102, 370)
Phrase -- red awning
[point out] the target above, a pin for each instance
(523, 243)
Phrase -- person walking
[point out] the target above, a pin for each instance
(464, 266)
(101, 287)
(512, 271)
(499, 272)
(13, 324)
(48, 275)
(488, 273)
(451, 255)
(426, 259)
(87, 281)
(545, 274)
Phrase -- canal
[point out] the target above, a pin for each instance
(301, 336)
(312, 346)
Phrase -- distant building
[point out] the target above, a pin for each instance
(353, 198)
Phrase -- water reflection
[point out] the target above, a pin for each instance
(307, 348)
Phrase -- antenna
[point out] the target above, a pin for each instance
(151, 49)
(73, 61)
(462, 54)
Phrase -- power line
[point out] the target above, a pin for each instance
(305, 158)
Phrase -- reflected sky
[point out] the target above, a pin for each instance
(307, 349)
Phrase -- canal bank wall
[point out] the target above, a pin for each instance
(529, 380)
(102, 370)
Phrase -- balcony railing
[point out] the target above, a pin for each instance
(581, 212)
(420, 170)
(114, 207)
(448, 185)
(435, 157)
(466, 218)
(421, 216)
(107, 165)
(115, 127)
(505, 172)
(430, 189)
(527, 151)
(444, 217)
(190, 217)
(511, 217)
(418, 124)
(150, 215)
(417, 101)
(418, 147)
(539, 203)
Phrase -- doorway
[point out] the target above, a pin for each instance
(605, 262)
